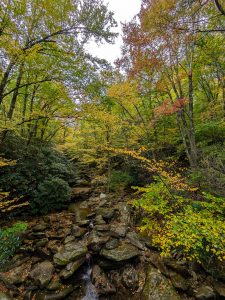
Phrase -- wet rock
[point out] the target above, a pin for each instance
(112, 244)
(78, 231)
(42, 242)
(121, 253)
(102, 203)
(55, 284)
(101, 282)
(69, 239)
(71, 268)
(124, 213)
(104, 227)
(61, 294)
(205, 293)
(70, 252)
(102, 196)
(53, 246)
(110, 264)
(178, 266)
(130, 278)
(178, 281)
(4, 296)
(99, 220)
(42, 273)
(84, 223)
(135, 240)
(158, 287)
(16, 275)
(44, 253)
(40, 227)
(118, 230)
(107, 213)
(96, 242)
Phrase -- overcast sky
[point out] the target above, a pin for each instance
(124, 10)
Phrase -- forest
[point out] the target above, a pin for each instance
(112, 176)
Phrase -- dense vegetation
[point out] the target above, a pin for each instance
(156, 120)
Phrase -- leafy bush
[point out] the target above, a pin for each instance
(51, 194)
(178, 224)
(29, 177)
(10, 242)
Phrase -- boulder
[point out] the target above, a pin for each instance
(96, 242)
(135, 240)
(122, 253)
(112, 244)
(71, 268)
(40, 227)
(16, 275)
(130, 278)
(101, 282)
(178, 281)
(118, 230)
(158, 287)
(99, 220)
(42, 273)
(70, 252)
(78, 231)
(205, 292)
(107, 213)
(58, 295)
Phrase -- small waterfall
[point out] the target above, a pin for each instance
(91, 293)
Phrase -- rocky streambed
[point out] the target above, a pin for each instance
(93, 251)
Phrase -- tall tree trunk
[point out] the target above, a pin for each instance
(193, 148)
(16, 92)
(5, 79)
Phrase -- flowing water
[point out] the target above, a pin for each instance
(91, 293)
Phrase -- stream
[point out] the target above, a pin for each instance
(91, 293)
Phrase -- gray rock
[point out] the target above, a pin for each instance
(178, 266)
(69, 239)
(54, 285)
(42, 273)
(107, 213)
(40, 227)
(104, 227)
(99, 220)
(178, 281)
(102, 196)
(124, 213)
(112, 244)
(16, 275)
(121, 253)
(78, 231)
(70, 252)
(61, 294)
(205, 293)
(130, 278)
(118, 230)
(101, 282)
(71, 268)
(42, 242)
(158, 287)
(96, 242)
(136, 240)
